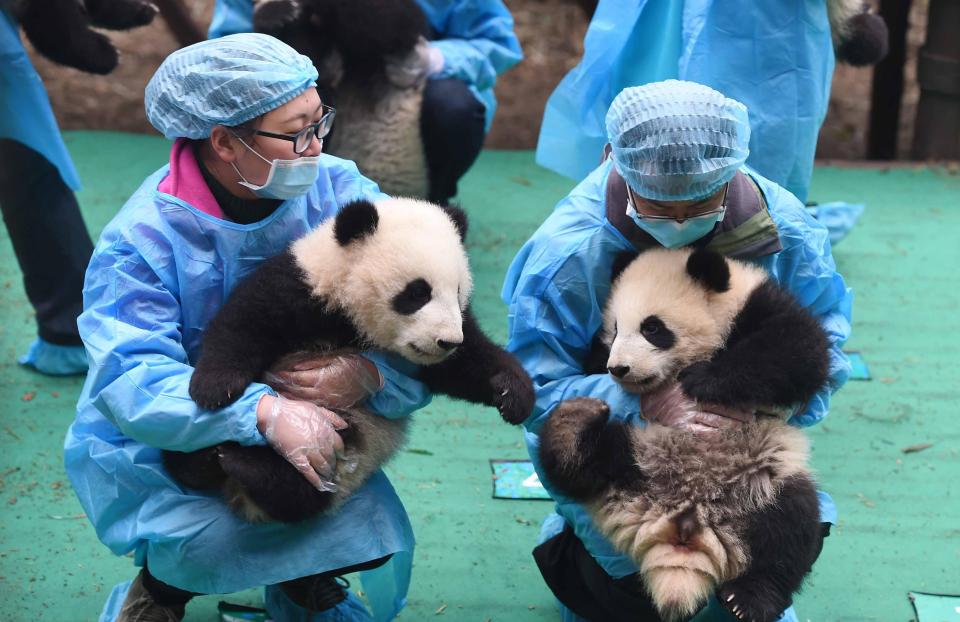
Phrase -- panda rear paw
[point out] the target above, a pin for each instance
(866, 42)
(212, 389)
(120, 14)
(273, 16)
(752, 601)
(571, 447)
(575, 416)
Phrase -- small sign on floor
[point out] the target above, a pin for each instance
(516, 479)
(936, 607)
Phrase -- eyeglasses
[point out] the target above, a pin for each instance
(304, 138)
(702, 215)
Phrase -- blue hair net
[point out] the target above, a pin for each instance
(224, 81)
(676, 140)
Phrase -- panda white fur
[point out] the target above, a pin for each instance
(392, 276)
(349, 42)
(732, 511)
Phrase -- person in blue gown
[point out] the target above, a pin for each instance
(40, 210)
(775, 57)
(473, 42)
(159, 272)
(676, 149)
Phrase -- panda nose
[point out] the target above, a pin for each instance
(448, 345)
(619, 370)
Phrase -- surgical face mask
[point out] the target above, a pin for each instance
(287, 179)
(672, 234)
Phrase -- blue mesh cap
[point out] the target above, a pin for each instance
(224, 81)
(676, 140)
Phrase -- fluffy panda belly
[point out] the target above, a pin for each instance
(684, 525)
(383, 138)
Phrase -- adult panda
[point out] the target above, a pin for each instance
(734, 510)
(392, 276)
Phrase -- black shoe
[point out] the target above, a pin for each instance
(139, 606)
(317, 592)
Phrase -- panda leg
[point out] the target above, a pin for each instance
(778, 355)
(120, 14)
(507, 387)
(784, 541)
(271, 484)
(582, 452)
(198, 469)
(60, 30)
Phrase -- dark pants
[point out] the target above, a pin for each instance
(452, 126)
(49, 239)
(313, 592)
(584, 587)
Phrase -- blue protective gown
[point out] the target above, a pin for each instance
(774, 57)
(475, 36)
(556, 289)
(25, 112)
(159, 273)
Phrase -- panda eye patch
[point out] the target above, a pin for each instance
(656, 332)
(416, 294)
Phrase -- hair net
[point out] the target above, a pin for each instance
(224, 81)
(676, 140)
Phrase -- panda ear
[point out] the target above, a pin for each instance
(459, 218)
(355, 221)
(710, 269)
(620, 263)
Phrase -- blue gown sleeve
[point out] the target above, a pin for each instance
(551, 344)
(231, 17)
(476, 39)
(139, 370)
(401, 394)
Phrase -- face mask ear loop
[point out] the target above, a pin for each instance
(246, 183)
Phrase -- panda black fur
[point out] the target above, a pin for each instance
(860, 37)
(349, 42)
(392, 276)
(61, 29)
(733, 511)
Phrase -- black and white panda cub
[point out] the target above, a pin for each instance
(733, 511)
(392, 276)
(352, 43)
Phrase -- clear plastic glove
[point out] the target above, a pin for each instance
(305, 434)
(669, 406)
(412, 69)
(335, 380)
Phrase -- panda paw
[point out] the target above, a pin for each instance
(273, 16)
(513, 395)
(752, 601)
(212, 389)
(700, 383)
(120, 14)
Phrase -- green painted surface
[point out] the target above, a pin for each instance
(899, 524)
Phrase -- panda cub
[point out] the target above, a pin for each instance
(733, 511)
(392, 276)
(353, 43)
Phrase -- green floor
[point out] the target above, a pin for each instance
(899, 524)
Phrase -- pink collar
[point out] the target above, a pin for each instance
(186, 182)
